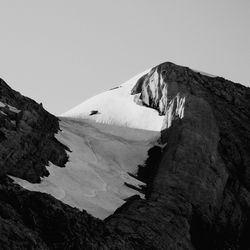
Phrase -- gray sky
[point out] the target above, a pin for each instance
(62, 52)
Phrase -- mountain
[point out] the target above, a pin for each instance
(107, 147)
(191, 189)
(118, 107)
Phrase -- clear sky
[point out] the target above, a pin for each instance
(62, 52)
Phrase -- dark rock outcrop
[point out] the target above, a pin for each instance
(27, 141)
(198, 193)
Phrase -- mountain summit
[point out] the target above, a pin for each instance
(118, 106)
(164, 158)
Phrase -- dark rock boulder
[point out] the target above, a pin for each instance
(33, 220)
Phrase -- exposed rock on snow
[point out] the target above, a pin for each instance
(94, 112)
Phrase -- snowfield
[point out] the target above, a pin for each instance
(109, 136)
(101, 157)
(117, 107)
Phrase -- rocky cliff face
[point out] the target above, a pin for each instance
(27, 141)
(206, 161)
(198, 194)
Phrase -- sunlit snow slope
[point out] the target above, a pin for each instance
(105, 147)
(117, 107)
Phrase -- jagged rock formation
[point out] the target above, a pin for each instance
(27, 141)
(207, 161)
(199, 196)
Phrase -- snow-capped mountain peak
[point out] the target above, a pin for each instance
(117, 106)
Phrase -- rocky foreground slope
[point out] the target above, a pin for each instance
(198, 186)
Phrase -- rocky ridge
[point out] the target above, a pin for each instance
(27, 137)
(199, 195)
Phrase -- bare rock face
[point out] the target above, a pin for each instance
(198, 185)
(27, 141)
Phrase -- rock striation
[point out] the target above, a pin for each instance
(198, 192)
